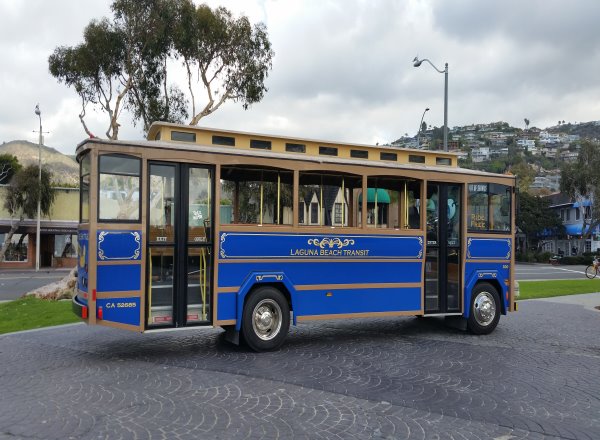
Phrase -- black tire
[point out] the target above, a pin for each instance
(485, 309)
(591, 272)
(266, 319)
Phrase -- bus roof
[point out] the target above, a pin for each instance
(321, 159)
(284, 144)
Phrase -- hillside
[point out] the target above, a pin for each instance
(64, 168)
(586, 130)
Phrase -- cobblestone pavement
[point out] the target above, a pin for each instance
(537, 376)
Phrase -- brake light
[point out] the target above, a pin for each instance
(94, 295)
(99, 314)
(84, 312)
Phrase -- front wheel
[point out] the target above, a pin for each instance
(266, 319)
(591, 271)
(485, 309)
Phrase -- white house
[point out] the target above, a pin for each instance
(480, 154)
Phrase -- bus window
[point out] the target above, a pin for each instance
(500, 208)
(257, 195)
(489, 207)
(327, 199)
(412, 200)
(453, 214)
(199, 204)
(84, 184)
(393, 202)
(119, 195)
(162, 203)
(478, 207)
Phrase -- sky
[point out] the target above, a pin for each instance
(342, 69)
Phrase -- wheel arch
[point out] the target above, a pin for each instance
(484, 277)
(255, 280)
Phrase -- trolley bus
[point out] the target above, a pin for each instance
(205, 227)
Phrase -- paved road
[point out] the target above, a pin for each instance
(548, 272)
(15, 283)
(537, 376)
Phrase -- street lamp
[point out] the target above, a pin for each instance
(420, 125)
(39, 196)
(417, 62)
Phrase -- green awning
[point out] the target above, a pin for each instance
(382, 196)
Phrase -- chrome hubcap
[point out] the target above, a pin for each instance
(484, 308)
(266, 319)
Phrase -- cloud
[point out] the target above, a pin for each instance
(343, 69)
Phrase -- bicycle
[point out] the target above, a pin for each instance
(592, 270)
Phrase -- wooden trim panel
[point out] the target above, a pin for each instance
(119, 263)
(484, 260)
(226, 322)
(124, 294)
(357, 315)
(357, 286)
(119, 325)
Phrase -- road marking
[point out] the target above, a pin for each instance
(570, 270)
(30, 278)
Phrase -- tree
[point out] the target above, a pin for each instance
(525, 175)
(22, 199)
(526, 123)
(230, 56)
(123, 63)
(95, 69)
(581, 181)
(9, 165)
(535, 219)
(147, 27)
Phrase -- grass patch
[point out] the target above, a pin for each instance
(29, 313)
(547, 289)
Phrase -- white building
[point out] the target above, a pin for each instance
(480, 154)
(549, 138)
(526, 143)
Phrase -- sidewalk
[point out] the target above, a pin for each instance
(588, 300)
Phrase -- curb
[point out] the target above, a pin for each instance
(34, 330)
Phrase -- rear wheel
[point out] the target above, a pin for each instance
(485, 309)
(266, 319)
(591, 271)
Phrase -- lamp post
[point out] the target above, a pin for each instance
(420, 125)
(417, 62)
(39, 195)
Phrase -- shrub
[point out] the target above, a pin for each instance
(525, 257)
(578, 259)
(543, 257)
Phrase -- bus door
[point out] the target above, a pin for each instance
(180, 237)
(442, 261)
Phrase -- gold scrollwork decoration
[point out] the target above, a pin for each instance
(330, 243)
(222, 250)
(262, 277)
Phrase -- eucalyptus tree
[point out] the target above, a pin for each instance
(95, 69)
(147, 27)
(230, 56)
(124, 62)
